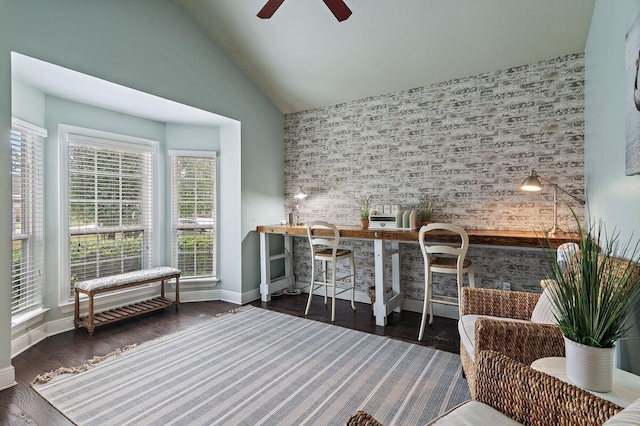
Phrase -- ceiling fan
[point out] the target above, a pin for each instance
(337, 7)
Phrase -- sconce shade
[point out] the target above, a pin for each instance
(300, 194)
(531, 183)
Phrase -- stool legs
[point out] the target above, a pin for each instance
(333, 291)
(353, 283)
(313, 285)
(427, 305)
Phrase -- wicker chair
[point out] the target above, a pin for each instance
(524, 395)
(520, 339)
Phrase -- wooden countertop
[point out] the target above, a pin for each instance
(506, 238)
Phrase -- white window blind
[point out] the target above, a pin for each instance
(193, 213)
(110, 207)
(27, 155)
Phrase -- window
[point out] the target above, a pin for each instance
(193, 213)
(27, 155)
(109, 204)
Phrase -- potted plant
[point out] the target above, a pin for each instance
(592, 301)
(364, 204)
(425, 209)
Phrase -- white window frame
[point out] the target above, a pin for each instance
(109, 139)
(31, 215)
(172, 239)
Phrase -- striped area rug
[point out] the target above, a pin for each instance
(259, 367)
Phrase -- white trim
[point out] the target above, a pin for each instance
(250, 296)
(7, 377)
(113, 139)
(25, 320)
(30, 127)
(186, 153)
(27, 340)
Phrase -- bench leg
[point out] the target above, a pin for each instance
(76, 314)
(90, 326)
(177, 292)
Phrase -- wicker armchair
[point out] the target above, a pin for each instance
(523, 341)
(523, 394)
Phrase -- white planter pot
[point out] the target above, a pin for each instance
(589, 367)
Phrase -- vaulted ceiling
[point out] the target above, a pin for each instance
(303, 58)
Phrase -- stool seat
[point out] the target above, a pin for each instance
(325, 249)
(328, 253)
(448, 262)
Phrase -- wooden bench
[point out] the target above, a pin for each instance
(119, 282)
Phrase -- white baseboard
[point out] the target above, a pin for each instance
(38, 334)
(7, 377)
(445, 311)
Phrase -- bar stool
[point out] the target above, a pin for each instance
(457, 265)
(324, 248)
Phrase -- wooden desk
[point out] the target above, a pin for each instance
(382, 307)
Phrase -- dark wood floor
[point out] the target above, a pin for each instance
(21, 405)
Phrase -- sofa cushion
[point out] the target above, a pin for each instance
(467, 330)
(628, 416)
(544, 309)
(473, 413)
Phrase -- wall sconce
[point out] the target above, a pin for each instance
(532, 183)
(299, 195)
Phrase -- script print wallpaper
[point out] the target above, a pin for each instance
(467, 143)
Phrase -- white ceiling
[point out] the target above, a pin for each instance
(64, 83)
(303, 58)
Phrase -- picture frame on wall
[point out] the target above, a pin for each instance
(632, 98)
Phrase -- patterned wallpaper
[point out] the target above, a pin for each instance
(466, 143)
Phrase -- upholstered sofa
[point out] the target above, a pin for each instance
(511, 393)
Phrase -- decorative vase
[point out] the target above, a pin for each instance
(589, 367)
(364, 223)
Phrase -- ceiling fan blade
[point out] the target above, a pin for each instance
(269, 9)
(338, 8)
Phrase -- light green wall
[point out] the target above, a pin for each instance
(612, 196)
(5, 205)
(155, 47)
(27, 103)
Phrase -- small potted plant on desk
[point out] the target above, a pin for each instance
(364, 204)
(425, 209)
(592, 302)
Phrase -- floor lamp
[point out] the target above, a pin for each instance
(532, 183)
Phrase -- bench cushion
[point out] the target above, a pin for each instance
(127, 278)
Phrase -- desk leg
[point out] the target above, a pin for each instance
(379, 309)
(288, 267)
(395, 271)
(265, 267)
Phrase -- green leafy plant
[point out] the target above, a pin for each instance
(364, 204)
(598, 291)
(425, 207)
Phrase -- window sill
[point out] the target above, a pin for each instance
(26, 319)
(195, 283)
